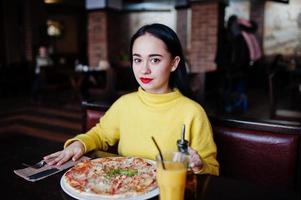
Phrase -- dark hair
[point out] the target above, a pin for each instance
(232, 19)
(179, 77)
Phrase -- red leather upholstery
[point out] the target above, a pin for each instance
(259, 156)
(91, 114)
(93, 118)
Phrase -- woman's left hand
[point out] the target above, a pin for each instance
(195, 161)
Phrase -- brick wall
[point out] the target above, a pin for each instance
(97, 37)
(204, 28)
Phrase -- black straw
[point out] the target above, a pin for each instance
(183, 133)
(160, 153)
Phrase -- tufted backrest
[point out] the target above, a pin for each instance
(91, 113)
(264, 153)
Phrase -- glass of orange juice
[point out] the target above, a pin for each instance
(172, 179)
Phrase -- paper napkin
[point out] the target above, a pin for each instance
(31, 174)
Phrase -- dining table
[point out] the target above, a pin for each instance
(17, 148)
(84, 78)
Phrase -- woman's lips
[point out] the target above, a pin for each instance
(146, 80)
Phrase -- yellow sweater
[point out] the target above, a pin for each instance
(137, 116)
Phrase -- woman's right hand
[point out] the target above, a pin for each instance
(74, 151)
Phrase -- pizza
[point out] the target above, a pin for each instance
(111, 177)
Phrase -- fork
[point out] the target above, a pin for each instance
(38, 165)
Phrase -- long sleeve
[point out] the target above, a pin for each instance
(202, 141)
(104, 133)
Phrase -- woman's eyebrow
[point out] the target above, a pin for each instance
(136, 54)
(154, 55)
(151, 55)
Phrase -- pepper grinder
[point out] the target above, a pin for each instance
(182, 143)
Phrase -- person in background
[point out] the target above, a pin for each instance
(42, 60)
(237, 54)
(159, 108)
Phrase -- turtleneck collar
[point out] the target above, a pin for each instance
(159, 100)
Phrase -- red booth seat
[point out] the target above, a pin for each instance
(266, 153)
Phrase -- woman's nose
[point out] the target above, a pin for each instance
(145, 68)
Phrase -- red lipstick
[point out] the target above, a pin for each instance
(146, 80)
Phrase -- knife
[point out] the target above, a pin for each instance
(44, 173)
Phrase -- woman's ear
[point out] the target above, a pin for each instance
(175, 63)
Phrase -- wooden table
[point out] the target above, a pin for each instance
(16, 148)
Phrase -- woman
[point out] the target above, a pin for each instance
(159, 108)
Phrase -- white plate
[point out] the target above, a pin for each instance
(76, 195)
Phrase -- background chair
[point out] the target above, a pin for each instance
(91, 114)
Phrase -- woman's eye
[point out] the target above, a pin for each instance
(136, 60)
(155, 60)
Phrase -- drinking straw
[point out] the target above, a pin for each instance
(160, 153)
(183, 134)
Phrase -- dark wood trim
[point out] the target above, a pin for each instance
(187, 6)
(281, 1)
(206, 1)
(103, 9)
(275, 126)
(2, 36)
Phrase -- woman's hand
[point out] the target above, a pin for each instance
(74, 151)
(195, 161)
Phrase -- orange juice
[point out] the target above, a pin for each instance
(172, 180)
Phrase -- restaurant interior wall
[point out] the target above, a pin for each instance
(20, 31)
(13, 22)
(134, 21)
(2, 40)
(113, 45)
(24, 29)
(280, 22)
(118, 36)
(282, 31)
(64, 43)
(71, 44)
